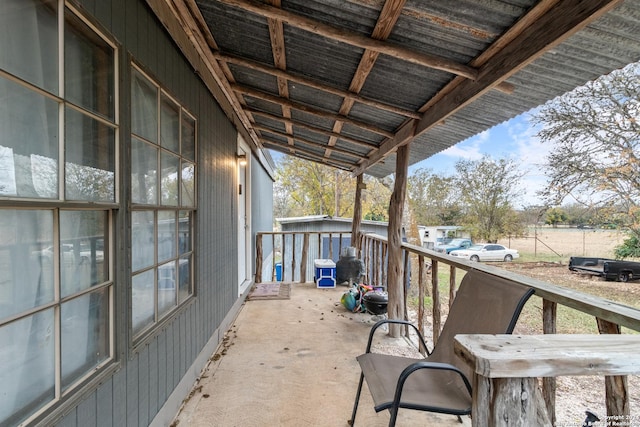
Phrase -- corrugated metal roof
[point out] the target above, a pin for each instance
(341, 81)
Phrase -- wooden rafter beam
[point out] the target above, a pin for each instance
(315, 129)
(308, 109)
(353, 38)
(386, 21)
(253, 65)
(287, 149)
(542, 33)
(263, 129)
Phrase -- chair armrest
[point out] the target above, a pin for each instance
(399, 322)
(425, 365)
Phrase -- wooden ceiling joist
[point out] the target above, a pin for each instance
(287, 149)
(354, 39)
(544, 32)
(314, 129)
(316, 85)
(263, 129)
(307, 109)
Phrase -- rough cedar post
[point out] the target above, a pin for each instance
(357, 216)
(395, 270)
(304, 260)
(616, 387)
(549, 318)
(259, 258)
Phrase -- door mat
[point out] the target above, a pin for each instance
(265, 291)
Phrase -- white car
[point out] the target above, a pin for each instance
(486, 252)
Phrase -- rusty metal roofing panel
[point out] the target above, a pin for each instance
(451, 32)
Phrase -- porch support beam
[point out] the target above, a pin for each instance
(357, 214)
(395, 270)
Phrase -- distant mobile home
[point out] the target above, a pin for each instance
(431, 236)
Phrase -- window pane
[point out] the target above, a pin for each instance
(82, 251)
(142, 240)
(26, 260)
(85, 335)
(184, 232)
(169, 125)
(188, 138)
(169, 180)
(142, 306)
(166, 287)
(26, 366)
(144, 108)
(30, 26)
(188, 187)
(184, 279)
(166, 235)
(89, 68)
(28, 143)
(144, 173)
(90, 159)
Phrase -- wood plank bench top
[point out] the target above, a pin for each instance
(529, 356)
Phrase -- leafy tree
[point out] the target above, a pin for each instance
(308, 188)
(629, 248)
(433, 199)
(375, 199)
(555, 216)
(595, 134)
(487, 189)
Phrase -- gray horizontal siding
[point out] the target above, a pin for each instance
(134, 395)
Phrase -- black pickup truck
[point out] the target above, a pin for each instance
(609, 269)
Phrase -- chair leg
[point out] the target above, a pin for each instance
(393, 415)
(355, 403)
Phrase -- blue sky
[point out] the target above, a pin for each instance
(515, 139)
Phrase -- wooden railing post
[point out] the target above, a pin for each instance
(549, 310)
(304, 260)
(435, 297)
(284, 252)
(452, 284)
(273, 264)
(421, 284)
(616, 387)
(293, 257)
(259, 258)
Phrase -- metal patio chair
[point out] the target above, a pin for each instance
(484, 304)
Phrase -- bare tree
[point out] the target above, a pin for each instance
(595, 136)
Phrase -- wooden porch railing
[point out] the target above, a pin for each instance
(609, 316)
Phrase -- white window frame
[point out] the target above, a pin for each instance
(58, 204)
(159, 319)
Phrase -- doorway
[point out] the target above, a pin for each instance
(244, 209)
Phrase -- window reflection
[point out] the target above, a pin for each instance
(27, 371)
(143, 297)
(144, 172)
(85, 335)
(90, 158)
(169, 179)
(89, 68)
(142, 240)
(28, 143)
(82, 256)
(27, 279)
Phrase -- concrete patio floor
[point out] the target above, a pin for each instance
(292, 363)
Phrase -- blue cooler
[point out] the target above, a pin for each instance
(325, 273)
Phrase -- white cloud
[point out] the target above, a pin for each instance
(471, 149)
